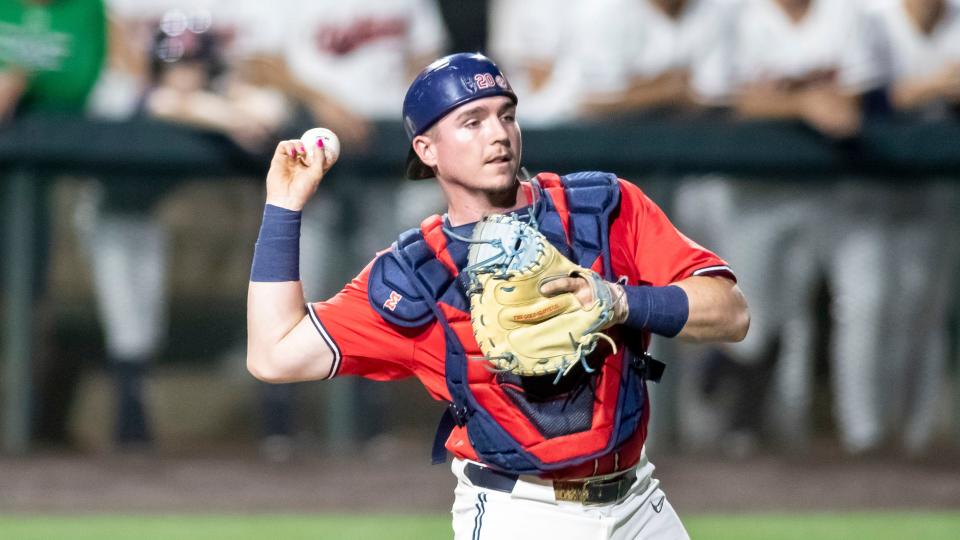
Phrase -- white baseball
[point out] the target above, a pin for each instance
(331, 144)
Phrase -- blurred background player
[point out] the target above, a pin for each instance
(242, 69)
(658, 55)
(917, 44)
(806, 60)
(167, 61)
(51, 53)
(644, 55)
(530, 41)
(356, 58)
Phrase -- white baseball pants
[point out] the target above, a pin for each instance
(532, 511)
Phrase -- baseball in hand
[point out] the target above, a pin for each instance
(331, 144)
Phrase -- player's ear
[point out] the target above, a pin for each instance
(426, 150)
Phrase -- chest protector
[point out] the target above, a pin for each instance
(522, 425)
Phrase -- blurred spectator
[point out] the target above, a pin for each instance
(656, 54)
(349, 62)
(251, 35)
(194, 87)
(807, 60)
(125, 75)
(230, 67)
(182, 77)
(918, 42)
(629, 55)
(50, 55)
(918, 45)
(467, 21)
(529, 40)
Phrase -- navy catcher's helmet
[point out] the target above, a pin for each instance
(442, 86)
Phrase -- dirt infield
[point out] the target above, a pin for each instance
(403, 481)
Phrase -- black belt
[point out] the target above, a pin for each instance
(587, 491)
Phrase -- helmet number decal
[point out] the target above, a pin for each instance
(484, 80)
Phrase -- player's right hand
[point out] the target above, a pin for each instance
(295, 172)
(582, 289)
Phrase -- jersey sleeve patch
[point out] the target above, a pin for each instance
(394, 297)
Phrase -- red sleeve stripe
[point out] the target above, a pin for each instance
(718, 269)
(329, 340)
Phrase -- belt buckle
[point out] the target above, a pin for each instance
(581, 490)
(571, 491)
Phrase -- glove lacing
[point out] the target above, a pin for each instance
(508, 254)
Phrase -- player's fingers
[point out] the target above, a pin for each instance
(317, 158)
(560, 285)
(286, 150)
(300, 152)
(292, 149)
(578, 285)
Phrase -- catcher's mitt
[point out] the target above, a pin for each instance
(519, 329)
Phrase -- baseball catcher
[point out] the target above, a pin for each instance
(526, 309)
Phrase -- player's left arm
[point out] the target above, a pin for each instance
(698, 308)
(716, 309)
(677, 288)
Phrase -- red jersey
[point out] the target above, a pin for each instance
(645, 249)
